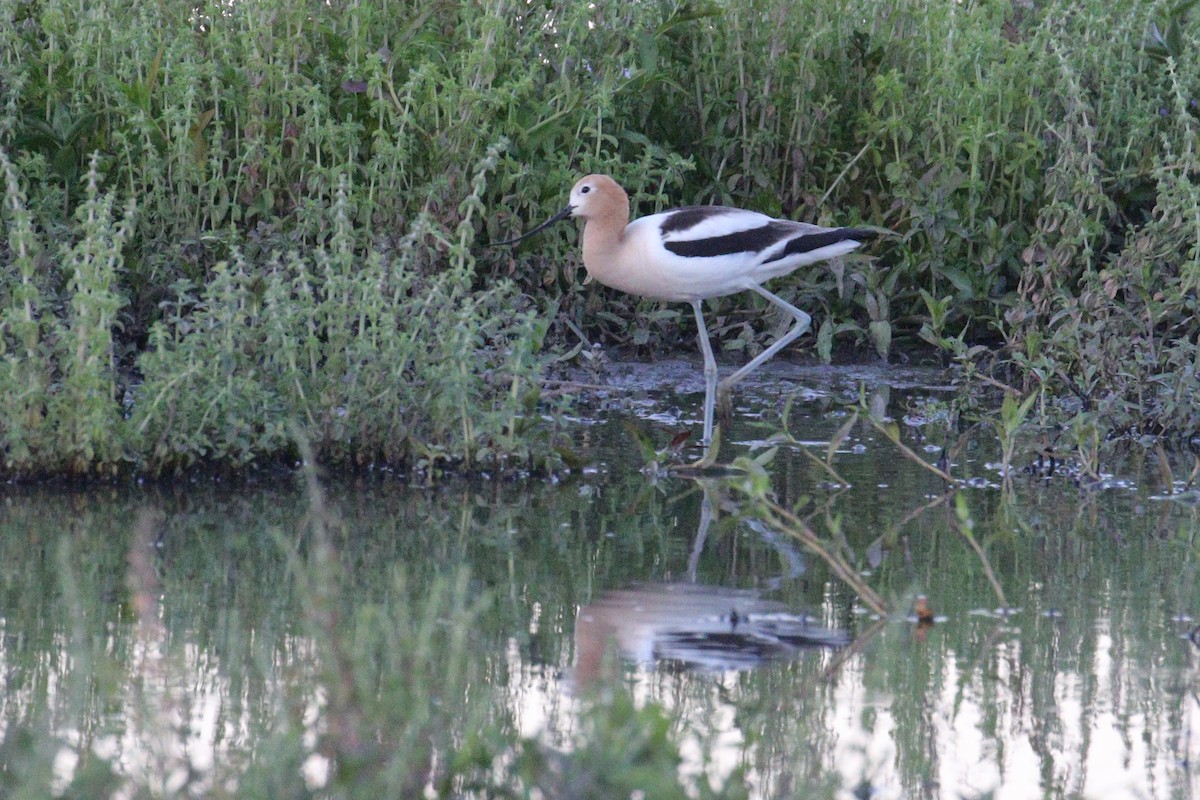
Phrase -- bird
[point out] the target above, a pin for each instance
(697, 253)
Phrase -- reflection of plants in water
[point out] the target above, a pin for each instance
(339, 658)
(783, 519)
(1058, 556)
(965, 525)
(260, 625)
(784, 436)
(622, 748)
(395, 673)
(1059, 562)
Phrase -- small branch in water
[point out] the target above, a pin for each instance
(919, 510)
(789, 523)
(784, 436)
(856, 647)
(1164, 468)
(961, 522)
(893, 435)
(829, 470)
(1004, 387)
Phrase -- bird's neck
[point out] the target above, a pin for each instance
(603, 238)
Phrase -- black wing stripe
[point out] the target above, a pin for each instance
(753, 240)
(686, 218)
(815, 241)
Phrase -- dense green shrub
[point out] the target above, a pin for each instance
(1035, 161)
(296, 249)
(360, 352)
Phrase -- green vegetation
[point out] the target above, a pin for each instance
(224, 221)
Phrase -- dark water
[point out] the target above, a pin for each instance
(1059, 664)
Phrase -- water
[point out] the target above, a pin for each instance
(163, 632)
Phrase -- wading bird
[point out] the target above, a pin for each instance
(694, 253)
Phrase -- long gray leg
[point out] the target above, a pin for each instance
(710, 373)
(706, 518)
(803, 323)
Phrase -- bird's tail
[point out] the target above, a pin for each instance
(858, 234)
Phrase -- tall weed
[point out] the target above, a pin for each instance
(283, 157)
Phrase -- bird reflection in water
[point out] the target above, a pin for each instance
(689, 626)
(693, 626)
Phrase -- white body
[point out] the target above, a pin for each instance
(647, 268)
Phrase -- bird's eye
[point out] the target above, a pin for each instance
(585, 190)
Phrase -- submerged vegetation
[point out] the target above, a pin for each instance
(222, 222)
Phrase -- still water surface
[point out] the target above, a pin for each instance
(1059, 664)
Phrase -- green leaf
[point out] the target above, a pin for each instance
(649, 454)
(66, 164)
(960, 280)
(839, 437)
(881, 337)
(195, 133)
(84, 125)
(825, 341)
(152, 75)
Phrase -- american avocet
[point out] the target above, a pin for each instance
(690, 254)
